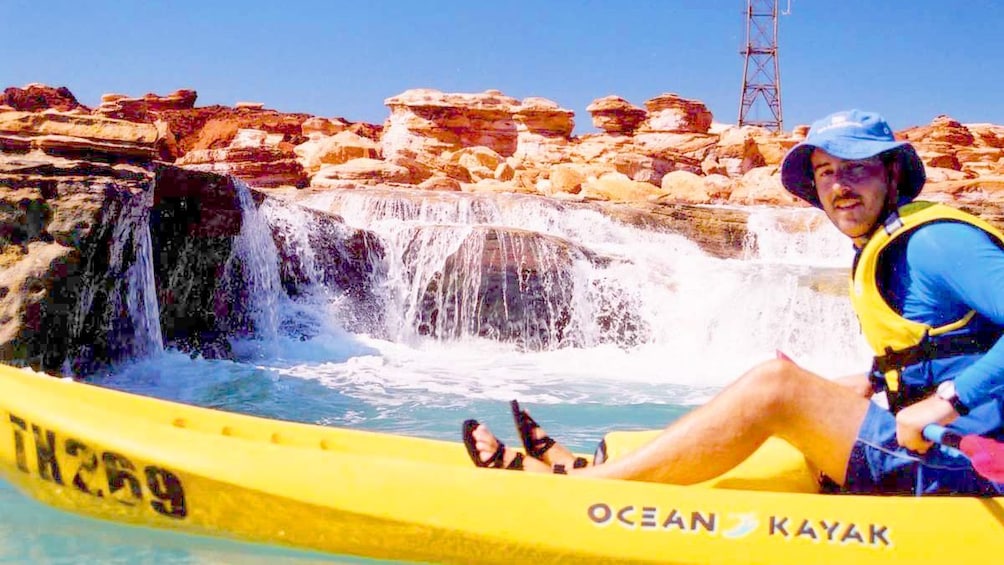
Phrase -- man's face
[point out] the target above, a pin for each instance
(853, 193)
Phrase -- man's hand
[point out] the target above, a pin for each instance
(911, 420)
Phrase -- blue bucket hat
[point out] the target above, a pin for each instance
(851, 134)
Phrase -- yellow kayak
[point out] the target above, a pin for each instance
(140, 460)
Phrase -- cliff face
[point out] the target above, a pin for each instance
(86, 209)
(77, 212)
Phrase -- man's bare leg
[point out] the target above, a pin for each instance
(819, 417)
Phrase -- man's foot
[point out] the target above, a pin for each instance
(541, 446)
(487, 451)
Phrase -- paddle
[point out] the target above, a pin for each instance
(986, 455)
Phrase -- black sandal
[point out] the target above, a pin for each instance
(537, 447)
(496, 459)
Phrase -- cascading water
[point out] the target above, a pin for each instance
(651, 293)
(796, 237)
(116, 316)
(322, 273)
(141, 297)
(253, 269)
(561, 276)
(807, 256)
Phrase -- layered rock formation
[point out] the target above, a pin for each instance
(83, 203)
(483, 142)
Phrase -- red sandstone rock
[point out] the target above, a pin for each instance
(942, 174)
(36, 97)
(618, 187)
(543, 131)
(429, 122)
(544, 117)
(145, 108)
(982, 194)
(568, 178)
(737, 152)
(209, 127)
(487, 141)
(444, 184)
(361, 171)
(987, 135)
(491, 186)
(616, 115)
(322, 127)
(942, 129)
(260, 158)
(60, 134)
(480, 162)
(333, 150)
(762, 185)
(671, 113)
(685, 187)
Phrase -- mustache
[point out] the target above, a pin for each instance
(846, 200)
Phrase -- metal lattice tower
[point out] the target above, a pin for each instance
(760, 104)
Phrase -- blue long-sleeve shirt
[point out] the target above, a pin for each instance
(941, 272)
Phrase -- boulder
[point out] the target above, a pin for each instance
(671, 113)
(616, 115)
(427, 123)
(37, 97)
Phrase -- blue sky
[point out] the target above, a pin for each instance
(911, 60)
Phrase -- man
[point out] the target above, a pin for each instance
(928, 288)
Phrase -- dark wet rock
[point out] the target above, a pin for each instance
(316, 249)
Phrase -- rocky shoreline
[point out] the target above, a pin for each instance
(70, 176)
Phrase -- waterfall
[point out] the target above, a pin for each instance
(141, 294)
(808, 260)
(252, 272)
(328, 268)
(116, 315)
(797, 237)
(605, 282)
(131, 266)
(508, 268)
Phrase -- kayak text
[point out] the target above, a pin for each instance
(738, 525)
(121, 479)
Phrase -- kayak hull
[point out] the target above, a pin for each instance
(143, 461)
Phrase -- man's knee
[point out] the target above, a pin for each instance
(774, 382)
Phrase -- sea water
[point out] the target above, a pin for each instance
(705, 320)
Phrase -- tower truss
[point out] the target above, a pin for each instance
(760, 104)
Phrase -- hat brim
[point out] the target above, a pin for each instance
(796, 168)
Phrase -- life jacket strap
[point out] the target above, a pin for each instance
(887, 369)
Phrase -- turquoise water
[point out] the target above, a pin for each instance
(706, 320)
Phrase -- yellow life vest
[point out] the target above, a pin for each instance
(887, 332)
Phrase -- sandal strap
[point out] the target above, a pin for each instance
(525, 425)
(516, 464)
(540, 446)
(561, 469)
(495, 461)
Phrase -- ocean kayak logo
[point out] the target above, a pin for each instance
(745, 524)
(738, 525)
